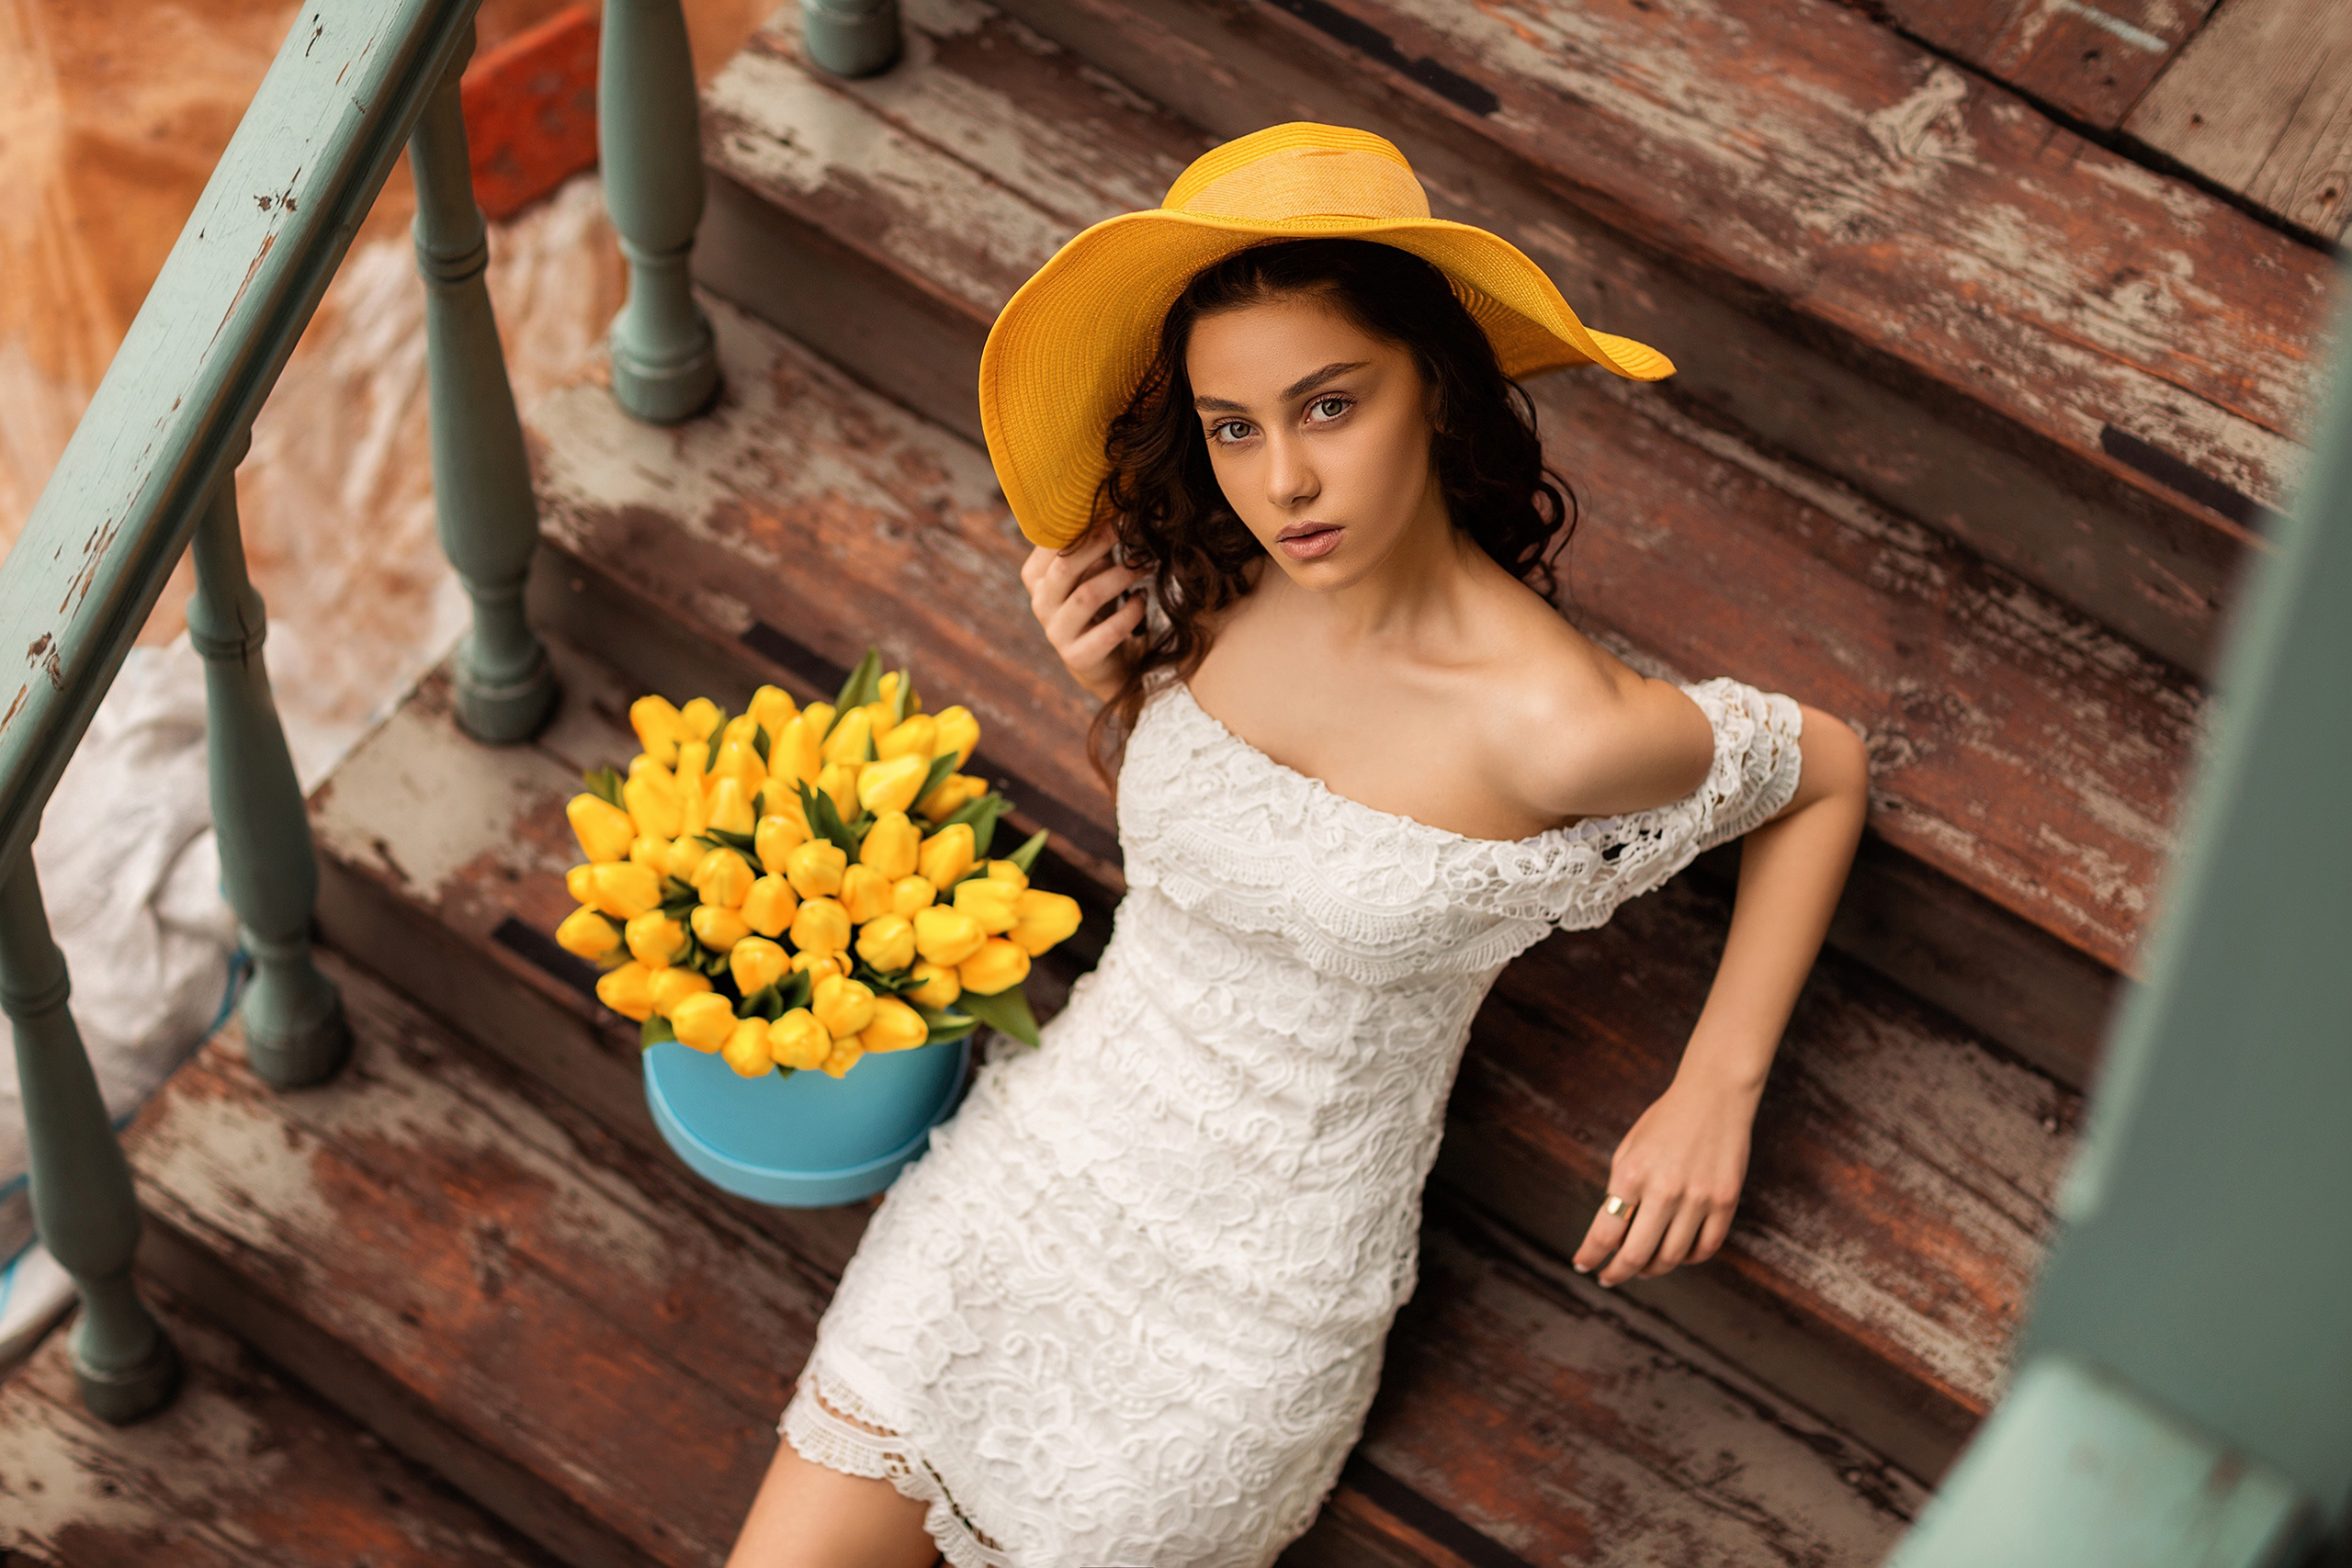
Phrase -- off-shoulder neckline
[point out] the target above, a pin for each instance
(1581, 829)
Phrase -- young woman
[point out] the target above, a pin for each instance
(1130, 1307)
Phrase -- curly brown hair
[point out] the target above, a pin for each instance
(1170, 517)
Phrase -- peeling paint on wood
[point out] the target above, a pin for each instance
(2088, 59)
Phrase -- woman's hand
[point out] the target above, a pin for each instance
(1068, 589)
(1681, 1165)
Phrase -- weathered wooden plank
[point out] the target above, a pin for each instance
(240, 1470)
(2260, 103)
(2090, 59)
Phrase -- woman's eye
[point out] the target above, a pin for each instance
(1229, 430)
(1328, 408)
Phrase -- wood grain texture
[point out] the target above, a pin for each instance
(240, 1471)
(2260, 102)
(2087, 59)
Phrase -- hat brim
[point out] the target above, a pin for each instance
(1071, 345)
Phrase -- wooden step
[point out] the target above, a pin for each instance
(582, 1339)
(241, 1470)
(2091, 372)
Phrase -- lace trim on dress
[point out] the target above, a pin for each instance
(828, 1423)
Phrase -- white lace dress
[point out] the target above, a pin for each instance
(1129, 1308)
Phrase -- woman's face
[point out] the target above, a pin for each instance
(1320, 435)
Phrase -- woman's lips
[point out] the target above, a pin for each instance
(1308, 543)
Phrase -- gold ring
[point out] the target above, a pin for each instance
(1616, 1205)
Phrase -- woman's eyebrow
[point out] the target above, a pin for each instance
(1296, 389)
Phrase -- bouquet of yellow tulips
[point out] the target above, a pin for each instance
(798, 888)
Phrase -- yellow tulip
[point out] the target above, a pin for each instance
(946, 855)
(659, 728)
(703, 1020)
(895, 1027)
(737, 761)
(947, 936)
(990, 902)
(651, 797)
(1041, 919)
(817, 963)
(780, 797)
(844, 1007)
(815, 868)
(996, 965)
(603, 829)
(694, 803)
(949, 795)
(623, 889)
(851, 738)
(700, 716)
(756, 963)
(910, 894)
(736, 731)
(797, 752)
(730, 807)
(746, 1048)
(771, 708)
(865, 893)
(718, 928)
(1005, 871)
(580, 883)
(890, 845)
(628, 991)
(694, 763)
(769, 907)
(959, 730)
(723, 877)
(887, 942)
(587, 934)
(821, 925)
(912, 737)
(797, 1040)
(842, 1057)
(935, 985)
(891, 786)
(655, 940)
(775, 838)
(673, 985)
(820, 717)
(839, 780)
(889, 686)
(652, 854)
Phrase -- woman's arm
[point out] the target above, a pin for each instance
(1683, 1161)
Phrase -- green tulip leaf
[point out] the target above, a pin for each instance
(818, 807)
(982, 815)
(655, 1031)
(1026, 855)
(864, 684)
(719, 837)
(1008, 1010)
(903, 698)
(940, 767)
(766, 1003)
(605, 785)
(947, 1032)
(761, 742)
(792, 991)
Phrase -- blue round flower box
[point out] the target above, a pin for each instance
(805, 1141)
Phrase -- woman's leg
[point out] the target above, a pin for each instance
(809, 1517)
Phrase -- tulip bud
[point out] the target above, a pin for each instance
(654, 854)
(996, 965)
(890, 845)
(935, 985)
(844, 1007)
(817, 963)
(842, 1057)
(889, 687)
(815, 868)
(580, 883)
(821, 925)
(797, 1040)
(959, 730)
(947, 936)
(949, 795)
(910, 894)
(700, 716)
(655, 940)
(623, 889)
(797, 752)
(736, 731)
(769, 907)
(703, 1020)
(878, 720)
(1041, 919)
(659, 728)
(674, 985)
(723, 877)
(746, 1048)
(587, 934)
(651, 797)
(946, 855)
(821, 716)
(730, 807)
(851, 738)
(757, 963)
(895, 1027)
(990, 902)
(865, 893)
(887, 942)
(693, 800)
(912, 737)
(776, 837)
(603, 829)
(718, 928)
(771, 708)
(737, 761)
(628, 991)
(1005, 871)
(839, 780)
(891, 786)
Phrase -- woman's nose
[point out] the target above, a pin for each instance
(1291, 480)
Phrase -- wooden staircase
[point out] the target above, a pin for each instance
(1929, 341)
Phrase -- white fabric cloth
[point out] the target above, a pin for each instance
(1130, 1307)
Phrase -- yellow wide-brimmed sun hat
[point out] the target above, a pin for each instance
(1072, 346)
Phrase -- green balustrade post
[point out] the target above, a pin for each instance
(482, 478)
(80, 1184)
(665, 363)
(295, 1030)
(851, 38)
